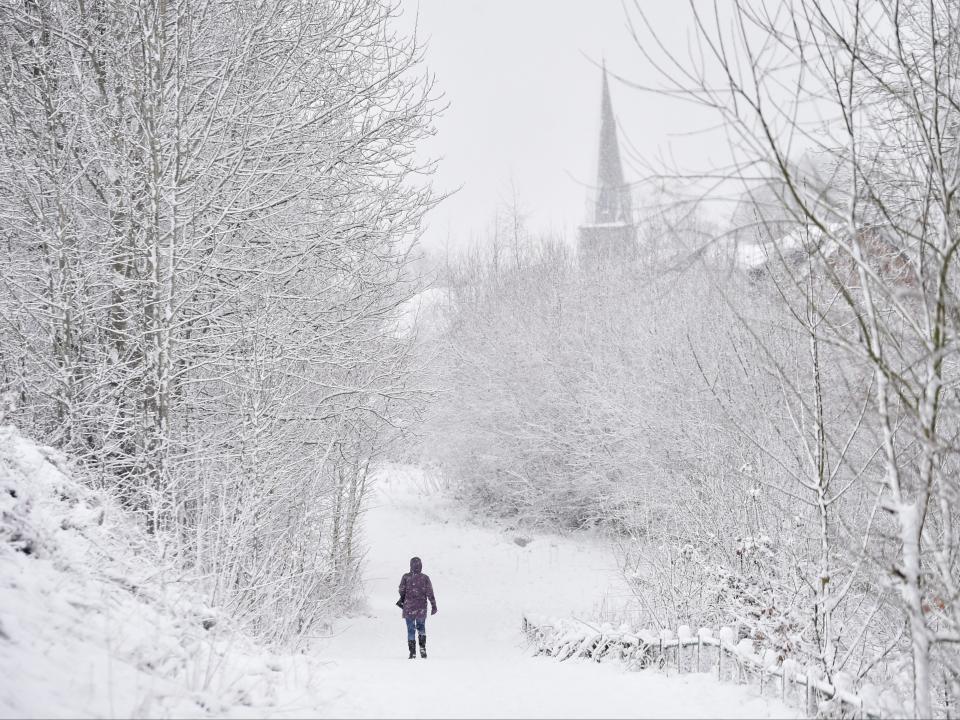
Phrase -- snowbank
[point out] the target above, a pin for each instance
(92, 623)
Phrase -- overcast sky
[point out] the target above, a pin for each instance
(524, 102)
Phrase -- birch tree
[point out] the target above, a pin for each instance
(883, 80)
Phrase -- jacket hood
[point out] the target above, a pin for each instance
(416, 565)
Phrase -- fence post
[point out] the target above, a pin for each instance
(720, 661)
(699, 650)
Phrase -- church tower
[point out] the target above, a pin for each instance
(608, 233)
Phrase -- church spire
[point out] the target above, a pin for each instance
(612, 203)
(608, 233)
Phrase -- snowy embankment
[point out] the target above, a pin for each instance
(94, 623)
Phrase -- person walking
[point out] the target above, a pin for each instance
(415, 590)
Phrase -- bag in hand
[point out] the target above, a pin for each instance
(400, 602)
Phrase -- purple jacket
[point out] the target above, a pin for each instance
(415, 590)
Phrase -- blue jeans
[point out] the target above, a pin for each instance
(420, 625)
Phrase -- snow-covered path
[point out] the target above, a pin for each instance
(91, 625)
(478, 665)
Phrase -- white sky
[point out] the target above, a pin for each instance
(524, 105)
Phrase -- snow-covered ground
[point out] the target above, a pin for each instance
(93, 624)
(478, 664)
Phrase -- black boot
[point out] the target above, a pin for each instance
(423, 646)
(411, 646)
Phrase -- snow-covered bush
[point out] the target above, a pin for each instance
(689, 586)
(562, 396)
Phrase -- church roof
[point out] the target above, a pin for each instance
(612, 203)
(609, 169)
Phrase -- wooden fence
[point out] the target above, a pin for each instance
(804, 688)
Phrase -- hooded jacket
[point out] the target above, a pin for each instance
(415, 590)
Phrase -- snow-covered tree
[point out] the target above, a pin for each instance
(208, 212)
(871, 89)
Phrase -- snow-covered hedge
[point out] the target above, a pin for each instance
(707, 650)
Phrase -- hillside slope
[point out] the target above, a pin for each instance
(93, 623)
